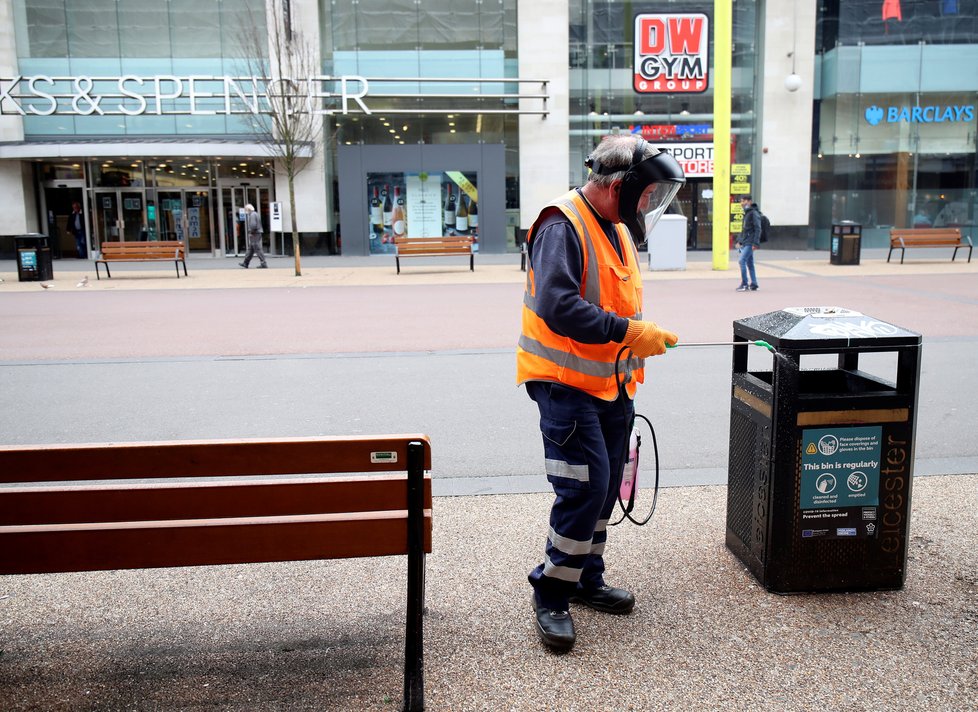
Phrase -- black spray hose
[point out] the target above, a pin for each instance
(626, 510)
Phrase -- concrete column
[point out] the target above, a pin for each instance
(785, 138)
(16, 181)
(313, 196)
(544, 154)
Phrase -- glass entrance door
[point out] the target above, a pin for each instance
(696, 202)
(120, 216)
(58, 205)
(233, 200)
(184, 214)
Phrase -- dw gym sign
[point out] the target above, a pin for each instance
(672, 53)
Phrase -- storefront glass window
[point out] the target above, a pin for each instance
(439, 39)
(896, 22)
(894, 147)
(62, 171)
(118, 173)
(420, 205)
(143, 38)
(606, 99)
(182, 173)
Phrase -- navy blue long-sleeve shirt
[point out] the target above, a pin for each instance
(558, 266)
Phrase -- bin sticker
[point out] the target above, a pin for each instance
(28, 259)
(840, 476)
(840, 467)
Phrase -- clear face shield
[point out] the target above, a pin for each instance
(646, 191)
(652, 204)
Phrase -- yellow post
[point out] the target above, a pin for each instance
(722, 58)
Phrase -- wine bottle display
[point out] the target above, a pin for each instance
(473, 215)
(461, 216)
(450, 208)
(388, 208)
(376, 209)
(398, 218)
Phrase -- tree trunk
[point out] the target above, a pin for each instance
(295, 228)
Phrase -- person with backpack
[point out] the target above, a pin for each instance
(750, 240)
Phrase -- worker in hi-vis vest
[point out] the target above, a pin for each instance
(583, 303)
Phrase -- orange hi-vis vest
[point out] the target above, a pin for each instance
(608, 281)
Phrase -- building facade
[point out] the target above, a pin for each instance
(466, 116)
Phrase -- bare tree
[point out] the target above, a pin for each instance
(283, 61)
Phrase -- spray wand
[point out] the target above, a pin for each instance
(763, 344)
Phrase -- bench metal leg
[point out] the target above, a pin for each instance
(176, 263)
(888, 254)
(472, 263)
(397, 262)
(414, 633)
(184, 269)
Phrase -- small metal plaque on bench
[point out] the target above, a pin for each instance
(383, 456)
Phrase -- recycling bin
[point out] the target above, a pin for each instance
(821, 460)
(33, 258)
(847, 239)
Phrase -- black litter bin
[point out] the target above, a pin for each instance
(33, 258)
(847, 238)
(821, 461)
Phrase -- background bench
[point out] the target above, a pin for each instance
(928, 237)
(433, 247)
(246, 517)
(162, 251)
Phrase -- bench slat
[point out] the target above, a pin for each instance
(205, 458)
(21, 506)
(128, 545)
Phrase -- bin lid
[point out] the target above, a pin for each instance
(823, 328)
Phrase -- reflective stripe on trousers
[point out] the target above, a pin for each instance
(583, 440)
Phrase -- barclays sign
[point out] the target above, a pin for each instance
(919, 114)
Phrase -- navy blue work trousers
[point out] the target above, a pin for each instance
(584, 441)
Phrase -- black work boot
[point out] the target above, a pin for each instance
(555, 628)
(606, 599)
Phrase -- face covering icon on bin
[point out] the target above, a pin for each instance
(648, 186)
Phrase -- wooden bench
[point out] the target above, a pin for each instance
(928, 237)
(162, 251)
(433, 247)
(251, 514)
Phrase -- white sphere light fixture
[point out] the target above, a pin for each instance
(792, 82)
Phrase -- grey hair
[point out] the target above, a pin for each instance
(616, 150)
(250, 208)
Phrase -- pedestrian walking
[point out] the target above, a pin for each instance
(750, 240)
(254, 231)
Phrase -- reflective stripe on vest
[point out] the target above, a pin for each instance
(608, 281)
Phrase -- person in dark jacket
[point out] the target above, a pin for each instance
(750, 240)
(76, 228)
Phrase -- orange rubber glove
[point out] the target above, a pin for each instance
(646, 339)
